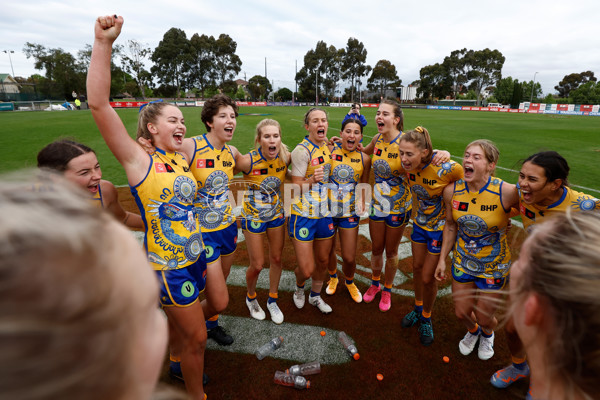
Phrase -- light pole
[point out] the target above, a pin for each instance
(10, 59)
(317, 85)
(532, 86)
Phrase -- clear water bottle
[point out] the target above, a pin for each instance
(310, 368)
(268, 348)
(297, 381)
(348, 345)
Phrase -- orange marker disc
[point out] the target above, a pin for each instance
(323, 333)
(446, 359)
(379, 377)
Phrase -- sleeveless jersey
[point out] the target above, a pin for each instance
(481, 248)
(428, 185)
(213, 170)
(262, 200)
(391, 194)
(314, 203)
(165, 198)
(97, 197)
(346, 171)
(532, 214)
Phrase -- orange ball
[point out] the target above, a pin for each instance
(323, 333)
(379, 377)
(446, 359)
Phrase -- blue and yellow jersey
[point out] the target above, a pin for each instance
(314, 203)
(213, 170)
(165, 198)
(391, 192)
(97, 197)
(428, 185)
(532, 214)
(481, 248)
(346, 171)
(262, 200)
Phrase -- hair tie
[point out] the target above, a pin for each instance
(145, 104)
(419, 129)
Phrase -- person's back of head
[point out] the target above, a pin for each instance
(67, 323)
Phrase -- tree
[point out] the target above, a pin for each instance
(504, 90)
(573, 81)
(517, 95)
(587, 93)
(202, 70)
(435, 82)
(227, 63)
(63, 73)
(171, 58)
(353, 59)
(132, 60)
(284, 94)
(486, 69)
(458, 69)
(384, 76)
(324, 62)
(528, 93)
(259, 87)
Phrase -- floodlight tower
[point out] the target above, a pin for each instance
(10, 59)
(532, 86)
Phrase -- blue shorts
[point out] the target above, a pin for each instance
(433, 239)
(181, 287)
(307, 229)
(392, 220)
(261, 227)
(220, 243)
(484, 284)
(346, 222)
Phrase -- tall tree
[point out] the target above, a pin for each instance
(486, 69)
(573, 81)
(171, 57)
(202, 70)
(259, 87)
(458, 69)
(504, 90)
(284, 94)
(227, 63)
(434, 82)
(384, 76)
(132, 60)
(517, 95)
(586, 93)
(321, 68)
(353, 59)
(64, 74)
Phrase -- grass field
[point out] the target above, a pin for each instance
(577, 138)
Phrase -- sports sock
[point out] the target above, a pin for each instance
(519, 363)
(485, 334)
(419, 306)
(314, 294)
(334, 275)
(272, 298)
(387, 288)
(349, 281)
(375, 281)
(250, 298)
(212, 322)
(475, 330)
(425, 316)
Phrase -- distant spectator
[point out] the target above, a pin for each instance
(78, 103)
(355, 113)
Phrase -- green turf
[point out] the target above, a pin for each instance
(577, 138)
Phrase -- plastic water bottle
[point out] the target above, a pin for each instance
(268, 348)
(310, 368)
(297, 381)
(348, 345)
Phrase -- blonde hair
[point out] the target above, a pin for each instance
(490, 151)
(149, 115)
(284, 151)
(420, 138)
(65, 326)
(564, 268)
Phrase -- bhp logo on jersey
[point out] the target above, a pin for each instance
(205, 163)
(488, 208)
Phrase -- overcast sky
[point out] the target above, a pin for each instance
(553, 38)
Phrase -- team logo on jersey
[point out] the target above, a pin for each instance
(187, 289)
(317, 161)
(193, 247)
(472, 225)
(338, 157)
(184, 189)
(206, 163)
(378, 152)
(460, 205)
(159, 167)
(263, 171)
(528, 213)
(412, 177)
(303, 233)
